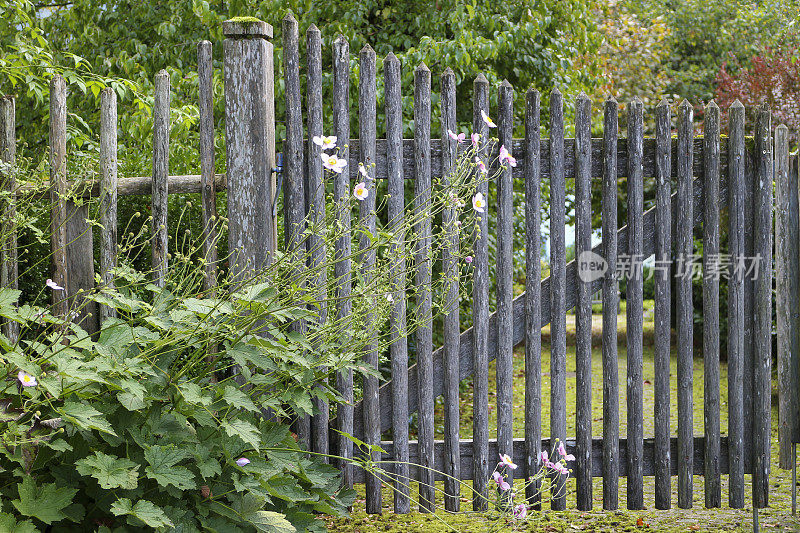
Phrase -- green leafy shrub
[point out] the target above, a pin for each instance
(135, 429)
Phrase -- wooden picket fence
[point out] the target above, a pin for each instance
(696, 179)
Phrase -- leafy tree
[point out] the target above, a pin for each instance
(704, 35)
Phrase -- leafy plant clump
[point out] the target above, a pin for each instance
(135, 430)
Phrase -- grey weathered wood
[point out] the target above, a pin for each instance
(250, 145)
(205, 106)
(787, 296)
(108, 195)
(8, 153)
(208, 191)
(597, 450)
(749, 314)
(80, 266)
(247, 28)
(294, 198)
(58, 191)
(293, 186)
(505, 281)
(662, 309)
(634, 307)
(161, 126)
(422, 280)
(341, 268)
(533, 295)
(558, 279)
(367, 122)
(648, 162)
(315, 195)
(467, 338)
(684, 310)
(452, 327)
(610, 309)
(736, 314)
(583, 309)
(398, 348)
(126, 186)
(711, 250)
(762, 307)
(480, 313)
(191, 183)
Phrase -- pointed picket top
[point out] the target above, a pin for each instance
(663, 103)
(448, 72)
(533, 92)
(289, 19)
(736, 105)
(712, 105)
(685, 104)
(506, 84)
(312, 29)
(581, 97)
(555, 91)
(390, 58)
(611, 100)
(636, 100)
(480, 79)
(422, 67)
(367, 50)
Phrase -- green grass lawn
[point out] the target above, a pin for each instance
(777, 517)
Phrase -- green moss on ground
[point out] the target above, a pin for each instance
(776, 518)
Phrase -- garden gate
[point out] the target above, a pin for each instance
(711, 174)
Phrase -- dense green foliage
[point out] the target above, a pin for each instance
(138, 428)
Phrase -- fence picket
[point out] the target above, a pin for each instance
(558, 305)
(452, 328)
(749, 313)
(786, 294)
(610, 309)
(762, 304)
(205, 80)
(480, 313)
(161, 127)
(505, 280)
(8, 153)
(533, 296)
(736, 299)
(662, 308)
(293, 190)
(294, 208)
(108, 194)
(398, 348)
(713, 490)
(315, 200)
(341, 268)
(422, 280)
(583, 311)
(58, 190)
(634, 308)
(367, 120)
(685, 311)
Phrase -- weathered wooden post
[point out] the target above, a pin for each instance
(8, 152)
(250, 143)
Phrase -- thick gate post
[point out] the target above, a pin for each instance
(250, 143)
